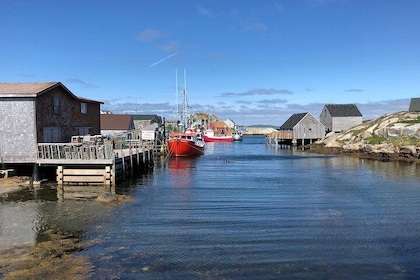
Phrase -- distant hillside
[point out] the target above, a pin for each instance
(263, 125)
(259, 130)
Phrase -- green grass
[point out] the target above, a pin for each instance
(411, 121)
(396, 141)
(404, 141)
(375, 139)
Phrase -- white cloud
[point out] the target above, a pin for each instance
(149, 35)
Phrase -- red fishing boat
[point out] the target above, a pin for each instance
(210, 137)
(188, 143)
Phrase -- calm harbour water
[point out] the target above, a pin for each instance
(249, 211)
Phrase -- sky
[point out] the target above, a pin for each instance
(252, 61)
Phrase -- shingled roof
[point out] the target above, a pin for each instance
(292, 121)
(343, 110)
(35, 89)
(116, 122)
(25, 88)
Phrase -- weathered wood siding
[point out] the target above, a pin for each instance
(326, 119)
(344, 123)
(17, 130)
(338, 123)
(309, 128)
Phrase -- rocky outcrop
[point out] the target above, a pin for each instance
(259, 130)
(393, 136)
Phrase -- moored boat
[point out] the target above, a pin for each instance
(237, 136)
(188, 143)
(210, 137)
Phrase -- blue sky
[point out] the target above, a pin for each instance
(255, 62)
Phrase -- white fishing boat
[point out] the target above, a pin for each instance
(237, 136)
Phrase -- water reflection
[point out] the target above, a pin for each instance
(17, 223)
(26, 214)
(181, 171)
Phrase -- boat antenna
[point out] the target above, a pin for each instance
(176, 93)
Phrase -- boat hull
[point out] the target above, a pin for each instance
(184, 148)
(237, 137)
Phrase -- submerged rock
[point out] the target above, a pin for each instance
(107, 197)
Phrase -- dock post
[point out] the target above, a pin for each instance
(151, 156)
(107, 176)
(35, 173)
(60, 175)
(138, 159)
(131, 162)
(123, 165)
(113, 180)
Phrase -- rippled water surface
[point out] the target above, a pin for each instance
(248, 211)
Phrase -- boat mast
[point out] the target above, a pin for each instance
(183, 111)
(184, 114)
(176, 93)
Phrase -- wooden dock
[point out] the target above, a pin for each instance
(87, 164)
(280, 138)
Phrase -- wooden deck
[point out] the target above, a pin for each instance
(279, 138)
(86, 164)
(285, 139)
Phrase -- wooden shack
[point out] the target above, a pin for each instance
(142, 121)
(116, 124)
(339, 117)
(414, 105)
(299, 129)
(33, 113)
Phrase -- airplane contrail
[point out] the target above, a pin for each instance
(162, 60)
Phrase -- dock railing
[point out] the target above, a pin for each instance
(69, 151)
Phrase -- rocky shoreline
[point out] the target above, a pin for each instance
(393, 137)
(404, 155)
(13, 184)
(51, 258)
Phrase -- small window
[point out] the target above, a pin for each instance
(56, 105)
(83, 108)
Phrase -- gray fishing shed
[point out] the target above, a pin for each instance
(303, 129)
(339, 117)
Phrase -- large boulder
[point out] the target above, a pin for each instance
(396, 130)
(411, 130)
